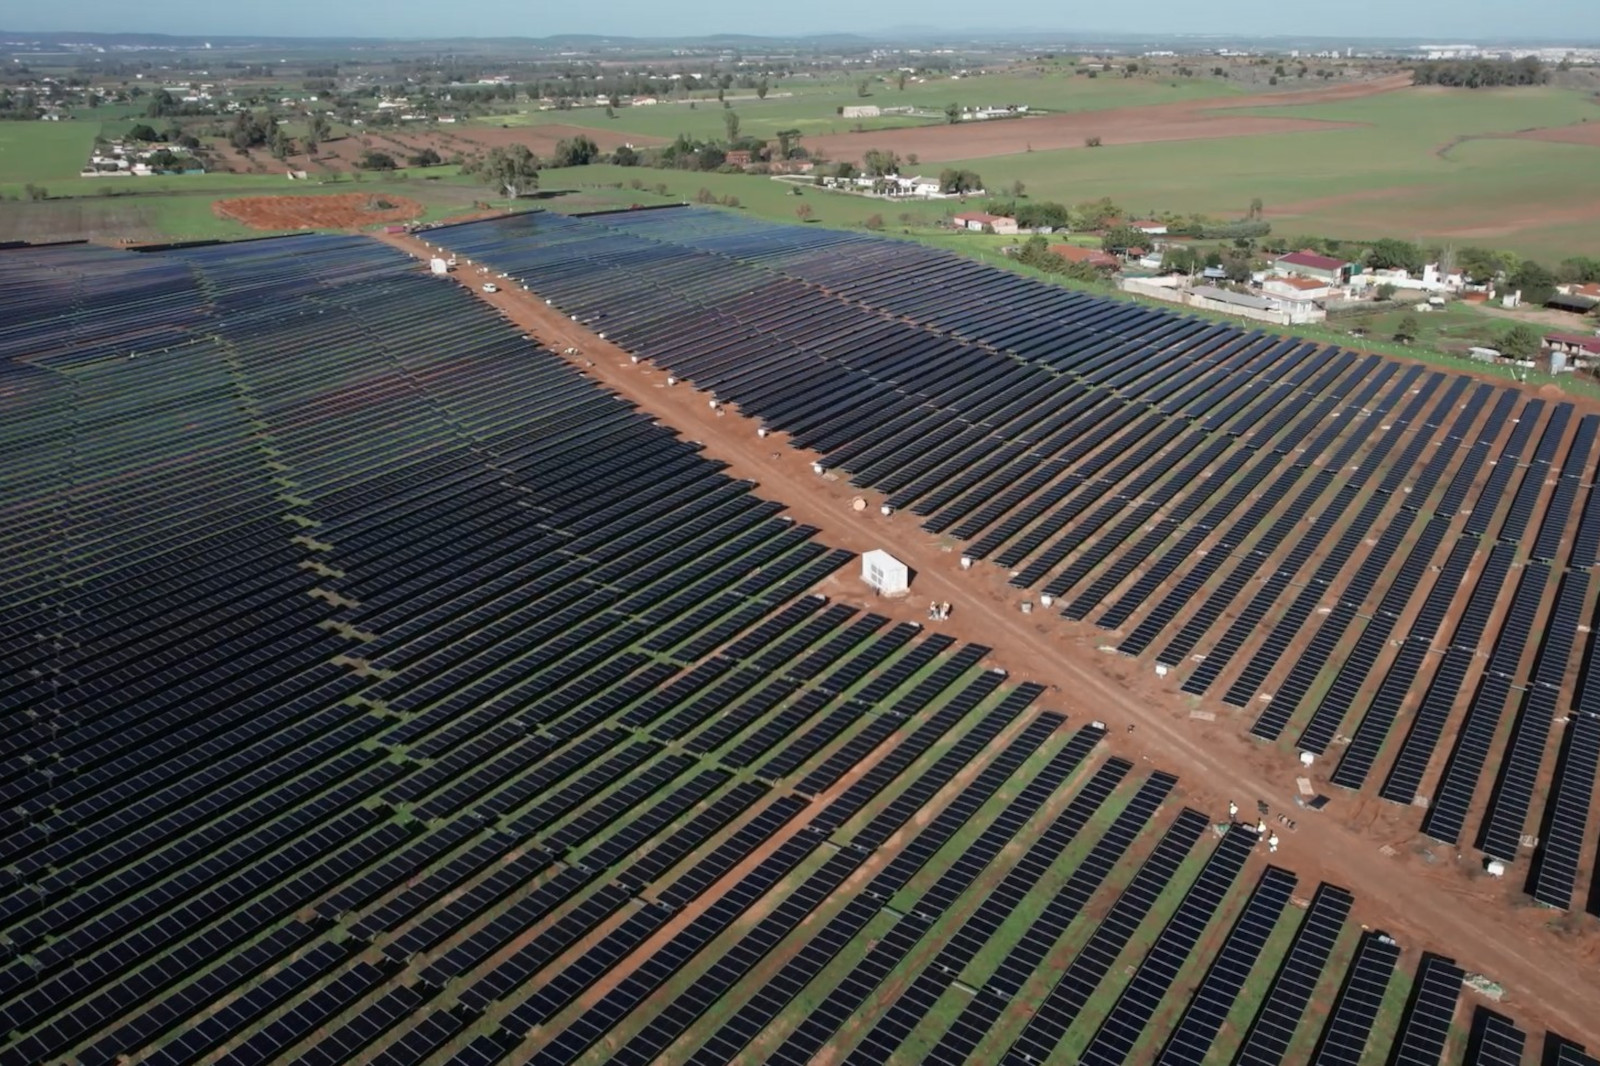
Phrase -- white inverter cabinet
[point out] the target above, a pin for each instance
(884, 572)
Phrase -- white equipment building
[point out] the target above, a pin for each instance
(885, 573)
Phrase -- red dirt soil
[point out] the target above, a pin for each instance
(338, 211)
(1189, 121)
(1435, 903)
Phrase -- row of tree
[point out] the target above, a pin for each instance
(1481, 73)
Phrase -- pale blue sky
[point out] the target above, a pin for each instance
(1433, 19)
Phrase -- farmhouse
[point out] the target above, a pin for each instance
(739, 157)
(862, 111)
(979, 221)
(1576, 344)
(1432, 279)
(1150, 226)
(1077, 253)
(1312, 265)
(1297, 289)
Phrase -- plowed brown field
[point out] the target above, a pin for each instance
(338, 211)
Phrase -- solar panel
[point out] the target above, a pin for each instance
(1208, 1008)
(1267, 1041)
(1344, 1036)
(1077, 983)
(1494, 1040)
(1119, 1033)
(1425, 1029)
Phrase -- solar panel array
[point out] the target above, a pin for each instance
(1320, 535)
(380, 690)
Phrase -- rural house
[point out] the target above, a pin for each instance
(1150, 226)
(1572, 351)
(1312, 265)
(861, 111)
(1077, 253)
(739, 157)
(1296, 290)
(979, 221)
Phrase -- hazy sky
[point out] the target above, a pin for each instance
(1555, 19)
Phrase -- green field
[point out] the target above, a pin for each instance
(1390, 177)
(44, 151)
(812, 106)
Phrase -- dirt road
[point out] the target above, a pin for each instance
(1425, 896)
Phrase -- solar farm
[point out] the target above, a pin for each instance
(381, 687)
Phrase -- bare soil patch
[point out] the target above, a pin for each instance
(337, 211)
(1434, 901)
(1189, 121)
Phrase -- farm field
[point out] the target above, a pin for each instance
(811, 107)
(1391, 171)
(385, 686)
(43, 151)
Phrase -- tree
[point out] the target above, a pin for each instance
(1480, 265)
(900, 80)
(1407, 330)
(1393, 254)
(142, 132)
(911, 159)
(1120, 239)
(952, 113)
(609, 112)
(788, 143)
(1256, 207)
(761, 89)
(321, 128)
(874, 222)
(425, 158)
(804, 212)
(880, 164)
(625, 156)
(1092, 141)
(730, 122)
(1179, 259)
(863, 87)
(1578, 270)
(375, 160)
(514, 170)
(1095, 214)
(1018, 188)
(161, 105)
(1521, 341)
(1536, 283)
(952, 180)
(1237, 267)
(1384, 291)
(577, 151)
